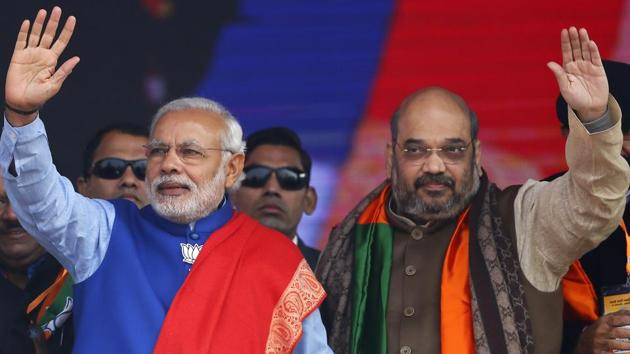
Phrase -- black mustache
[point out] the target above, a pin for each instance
(440, 179)
(11, 227)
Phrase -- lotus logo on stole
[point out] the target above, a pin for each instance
(190, 252)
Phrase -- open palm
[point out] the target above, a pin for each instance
(33, 77)
(581, 78)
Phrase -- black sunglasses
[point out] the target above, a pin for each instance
(289, 178)
(114, 168)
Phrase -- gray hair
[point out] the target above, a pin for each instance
(232, 139)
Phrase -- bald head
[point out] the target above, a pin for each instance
(434, 158)
(433, 100)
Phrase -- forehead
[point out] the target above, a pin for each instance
(189, 126)
(274, 156)
(121, 145)
(433, 121)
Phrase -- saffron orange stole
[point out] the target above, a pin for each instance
(580, 299)
(456, 329)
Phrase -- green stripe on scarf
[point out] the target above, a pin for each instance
(372, 267)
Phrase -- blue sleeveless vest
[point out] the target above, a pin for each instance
(120, 308)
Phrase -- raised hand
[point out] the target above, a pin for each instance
(581, 78)
(33, 77)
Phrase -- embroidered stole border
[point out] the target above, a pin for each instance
(302, 296)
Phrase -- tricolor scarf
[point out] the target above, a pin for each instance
(247, 292)
(485, 314)
(57, 307)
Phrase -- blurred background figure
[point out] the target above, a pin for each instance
(30, 279)
(604, 266)
(276, 190)
(114, 164)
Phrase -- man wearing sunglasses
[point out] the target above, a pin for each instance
(276, 189)
(185, 274)
(438, 259)
(114, 164)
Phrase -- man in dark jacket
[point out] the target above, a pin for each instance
(281, 201)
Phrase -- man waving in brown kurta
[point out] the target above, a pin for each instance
(439, 260)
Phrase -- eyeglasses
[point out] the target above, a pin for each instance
(449, 154)
(188, 152)
(289, 178)
(114, 168)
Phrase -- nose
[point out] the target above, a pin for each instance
(272, 186)
(129, 179)
(433, 164)
(8, 214)
(170, 164)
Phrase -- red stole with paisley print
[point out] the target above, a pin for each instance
(248, 292)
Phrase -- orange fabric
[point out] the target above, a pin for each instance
(248, 292)
(456, 329)
(303, 295)
(375, 213)
(580, 299)
(622, 224)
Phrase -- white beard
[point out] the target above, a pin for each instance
(196, 204)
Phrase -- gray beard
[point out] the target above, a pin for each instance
(410, 205)
(200, 202)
